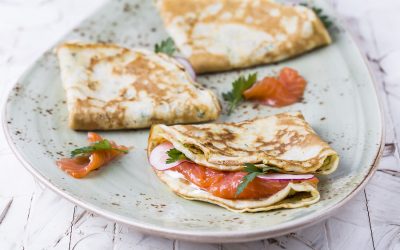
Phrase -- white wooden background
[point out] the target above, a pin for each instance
(33, 217)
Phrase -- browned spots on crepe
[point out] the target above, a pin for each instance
(255, 15)
(154, 83)
(242, 138)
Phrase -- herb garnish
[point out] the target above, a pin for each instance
(319, 12)
(174, 155)
(324, 18)
(253, 171)
(100, 145)
(234, 97)
(166, 46)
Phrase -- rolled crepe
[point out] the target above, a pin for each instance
(285, 141)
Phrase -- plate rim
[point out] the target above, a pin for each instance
(207, 237)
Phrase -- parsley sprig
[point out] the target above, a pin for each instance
(321, 15)
(100, 145)
(324, 18)
(235, 96)
(166, 46)
(253, 171)
(175, 155)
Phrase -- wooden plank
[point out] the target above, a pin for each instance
(310, 238)
(5, 204)
(12, 170)
(49, 222)
(17, 191)
(383, 202)
(360, 27)
(389, 164)
(21, 46)
(14, 222)
(382, 192)
(351, 228)
(128, 238)
(381, 197)
(383, 47)
(90, 231)
(185, 245)
(244, 246)
(314, 237)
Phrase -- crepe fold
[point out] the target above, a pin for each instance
(285, 141)
(217, 35)
(112, 87)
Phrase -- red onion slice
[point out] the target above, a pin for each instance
(286, 176)
(187, 65)
(159, 156)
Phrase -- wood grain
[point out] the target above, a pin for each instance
(33, 217)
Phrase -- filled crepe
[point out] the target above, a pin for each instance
(250, 166)
(111, 87)
(220, 35)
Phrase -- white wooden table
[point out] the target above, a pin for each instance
(33, 217)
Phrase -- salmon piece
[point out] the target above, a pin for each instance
(286, 89)
(224, 184)
(81, 166)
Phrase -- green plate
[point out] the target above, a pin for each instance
(340, 103)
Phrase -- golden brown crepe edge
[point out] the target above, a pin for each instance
(86, 120)
(159, 134)
(200, 63)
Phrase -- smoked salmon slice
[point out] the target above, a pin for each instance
(80, 166)
(286, 89)
(224, 184)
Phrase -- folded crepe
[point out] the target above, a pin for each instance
(111, 87)
(218, 35)
(215, 156)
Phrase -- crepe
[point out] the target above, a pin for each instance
(111, 87)
(293, 196)
(285, 141)
(217, 35)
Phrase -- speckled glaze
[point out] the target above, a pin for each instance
(340, 103)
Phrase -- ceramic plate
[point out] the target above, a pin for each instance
(340, 103)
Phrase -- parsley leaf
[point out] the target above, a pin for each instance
(234, 97)
(319, 12)
(245, 181)
(250, 168)
(324, 18)
(167, 47)
(174, 155)
(100, 145)
(253, 171)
